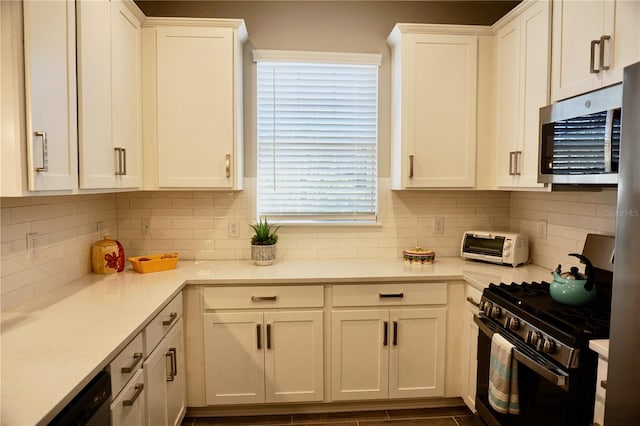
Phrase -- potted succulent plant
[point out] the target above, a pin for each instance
(263, 243)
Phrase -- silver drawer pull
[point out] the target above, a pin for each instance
(411, 166)
(264, 298)
(129, 402)
(391, 295)
(137, 357)
(172, 318)
(227, 165)
(601, 65)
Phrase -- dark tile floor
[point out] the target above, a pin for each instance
(451, 416)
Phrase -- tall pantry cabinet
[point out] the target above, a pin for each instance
(193, 89)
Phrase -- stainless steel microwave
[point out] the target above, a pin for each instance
(580, 139)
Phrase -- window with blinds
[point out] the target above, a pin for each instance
(317, 136)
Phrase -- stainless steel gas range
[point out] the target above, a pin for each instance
(556, 370)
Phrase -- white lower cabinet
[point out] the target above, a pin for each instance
(470, 348)
(255, 356)
(165, 380)
(396, 352)
(601, 391)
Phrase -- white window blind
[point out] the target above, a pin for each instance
(317, 126)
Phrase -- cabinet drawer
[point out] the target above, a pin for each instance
(133, 412)
(390, 294)
(311, 296)
(162, 322)
(125, 365)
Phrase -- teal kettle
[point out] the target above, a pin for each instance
(573, 287)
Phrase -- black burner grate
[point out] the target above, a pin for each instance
(589, 321)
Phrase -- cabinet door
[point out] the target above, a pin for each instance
(234, 357)
(50, 94)
(176, 384)
(575, 25)
(359, 354)
(622, 23)
(195, 96)
(416, 357)
(155, 369)
(294, 356)
(133, 413)
(469, 358)
(534, 89)
(440, 106)
(508, 101)
(126, 95)
(96, 155)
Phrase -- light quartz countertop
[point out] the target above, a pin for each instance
(601, 347)
(54, 345)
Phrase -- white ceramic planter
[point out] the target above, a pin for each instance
(263, 255)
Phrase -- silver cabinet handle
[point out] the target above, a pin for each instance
(603, 384)
(602, 66)
(411, 166)
(264, 298)
(511, 163)
(121, 170)
(129, 402)
(592, 59)
(227, 163)
(137, 357)
(473, 302)
(45, 152)
(517, 155)
(173, 359)
(172, 318)
(395, 333)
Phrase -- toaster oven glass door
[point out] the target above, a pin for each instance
(491, 246)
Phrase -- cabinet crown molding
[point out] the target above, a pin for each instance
(396, 33)
(514, 13)
(237, 24)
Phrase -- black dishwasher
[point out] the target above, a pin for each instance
(90, 407)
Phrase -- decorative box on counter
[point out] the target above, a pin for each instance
(154, 262)
(418, 256)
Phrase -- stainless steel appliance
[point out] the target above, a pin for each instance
(556, 369)
(623, 380)
(503, 248)
(91, 407)
(580, 139)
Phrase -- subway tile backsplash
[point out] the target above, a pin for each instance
(65, 227)
(196, 224)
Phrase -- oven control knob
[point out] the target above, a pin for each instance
(496, 312)
(512, 323)
(545, 345)
(486, 307)
(532, 337)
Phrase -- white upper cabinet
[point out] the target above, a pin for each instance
(193, 128)
(592, 42)
(109, 95)
(50, 95)
(434, 108)
(522, 88)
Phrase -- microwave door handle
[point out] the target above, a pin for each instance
(608, 136)
(560, 380)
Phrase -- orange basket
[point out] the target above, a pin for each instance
(154, 262)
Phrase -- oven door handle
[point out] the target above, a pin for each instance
(561, 380)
